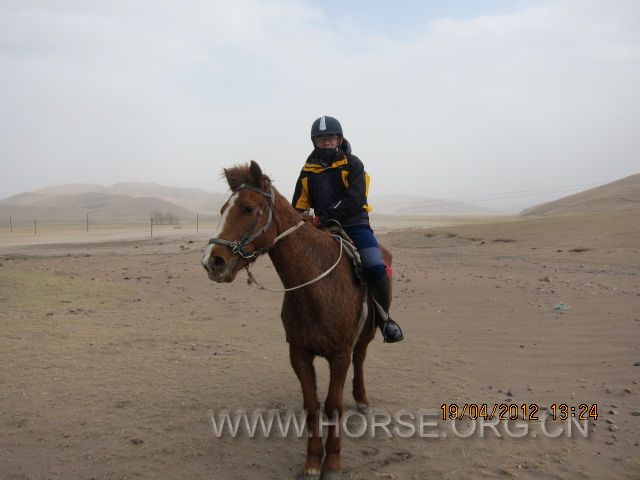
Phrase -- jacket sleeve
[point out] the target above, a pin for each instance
(301, 199)
(354, 198)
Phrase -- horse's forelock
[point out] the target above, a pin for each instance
(240, 174)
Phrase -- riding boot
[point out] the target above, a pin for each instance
(381, 291)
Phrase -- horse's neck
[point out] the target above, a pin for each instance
(300, 254)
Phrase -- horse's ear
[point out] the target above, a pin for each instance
(255, 175)
(232, 178)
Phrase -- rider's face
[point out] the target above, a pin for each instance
(327, 141)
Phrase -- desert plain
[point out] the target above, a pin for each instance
(114, 348)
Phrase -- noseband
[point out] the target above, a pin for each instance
(238, 246)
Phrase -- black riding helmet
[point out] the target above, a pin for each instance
(325, 126)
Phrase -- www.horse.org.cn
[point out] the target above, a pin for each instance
(426, 423)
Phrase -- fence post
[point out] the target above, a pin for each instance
(10, 224)
(87, 223)
(35, 227)
(151, 225)
(197, 223)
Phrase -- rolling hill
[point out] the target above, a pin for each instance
(194, 199)
(103, 207)
(620, 195)
(119, 203)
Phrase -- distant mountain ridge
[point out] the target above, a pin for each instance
(119, 203)
(72, 188)
(105, 207)
(414, 205)
(78, 194)
(619, 195)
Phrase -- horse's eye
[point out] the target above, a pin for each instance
(248, 209)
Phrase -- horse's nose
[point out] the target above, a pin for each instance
(216, 264)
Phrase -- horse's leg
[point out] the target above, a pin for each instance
(302, 363)
(359, 390)
(339, 365)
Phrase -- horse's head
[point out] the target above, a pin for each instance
(246, 223)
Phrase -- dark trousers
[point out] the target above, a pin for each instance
(366, 243)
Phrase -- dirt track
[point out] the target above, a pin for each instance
(113, 354)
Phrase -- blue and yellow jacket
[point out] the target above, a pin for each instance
(335, 189)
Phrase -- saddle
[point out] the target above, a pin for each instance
(337, 232)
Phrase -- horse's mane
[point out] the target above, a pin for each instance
(244, 173)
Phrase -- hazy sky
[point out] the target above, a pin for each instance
(450, 99)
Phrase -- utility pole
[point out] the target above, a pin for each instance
(10, 224)
(151, 225)
(87, 223)
(35, 227)
(197, 223)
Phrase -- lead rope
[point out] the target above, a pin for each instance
(251, 279)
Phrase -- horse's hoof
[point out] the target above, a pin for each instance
(308, 476)
(364, 409)
(331, 475)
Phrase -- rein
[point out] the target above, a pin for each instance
(251, 279)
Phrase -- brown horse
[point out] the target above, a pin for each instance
(320, 319)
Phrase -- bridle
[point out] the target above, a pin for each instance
(238, 246)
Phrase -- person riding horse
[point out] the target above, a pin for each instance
(334, 183)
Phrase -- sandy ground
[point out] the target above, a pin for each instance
(113, 351)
